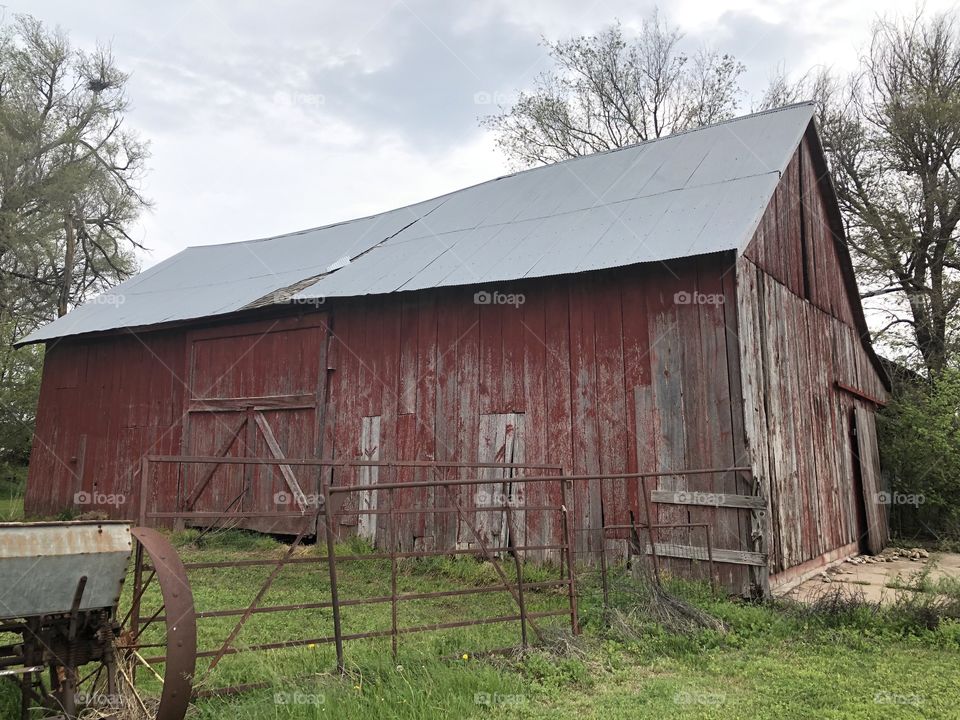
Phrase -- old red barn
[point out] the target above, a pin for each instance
(684, 303)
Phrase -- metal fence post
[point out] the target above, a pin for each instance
(567, 485)
(519, 569)
(332, 566)
(144, 474)
(603, 567)
(393, 575)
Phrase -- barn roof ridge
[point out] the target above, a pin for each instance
(697, 192)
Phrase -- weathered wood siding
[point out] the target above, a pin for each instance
(610, 371)
(443, 373)
(103, 404)
(269, 375)
(798, 338)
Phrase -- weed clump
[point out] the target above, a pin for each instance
(911, 612)
(637, 599)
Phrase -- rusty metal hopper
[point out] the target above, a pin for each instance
(76, 648)
(41, 565)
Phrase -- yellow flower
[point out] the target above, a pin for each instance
(466, 657)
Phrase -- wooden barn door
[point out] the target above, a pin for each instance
(868, 456)
(256, 390)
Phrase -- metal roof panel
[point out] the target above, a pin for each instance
(696, 192)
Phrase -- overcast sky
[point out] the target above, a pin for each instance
(270, 117)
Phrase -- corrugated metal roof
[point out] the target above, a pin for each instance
(697, 192)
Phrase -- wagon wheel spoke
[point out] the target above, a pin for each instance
(138, 598)
(143, 627)
(91, 690)
(113, 703)
(97, 670)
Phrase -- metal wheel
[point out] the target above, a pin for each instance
(164, 628)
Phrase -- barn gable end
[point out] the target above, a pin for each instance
(807, 368)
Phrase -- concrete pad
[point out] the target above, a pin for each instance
(872, 576)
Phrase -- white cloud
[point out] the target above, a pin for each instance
(266, 120)
(238, 185)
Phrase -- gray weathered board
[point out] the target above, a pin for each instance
(695, 552)
(708, 499)
(369, 475)
(867, 450)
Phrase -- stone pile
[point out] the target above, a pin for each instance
(890, 554)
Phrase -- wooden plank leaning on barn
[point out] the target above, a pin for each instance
(720, 555)
(708, 499)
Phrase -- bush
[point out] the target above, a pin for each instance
(920, 450)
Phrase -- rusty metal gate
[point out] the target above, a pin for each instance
(465, 493)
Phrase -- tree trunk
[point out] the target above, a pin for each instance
(930, 332)
(69, 258)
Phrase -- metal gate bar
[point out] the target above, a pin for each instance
(331, 506)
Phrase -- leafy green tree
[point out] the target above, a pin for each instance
(892, 134)
(19, 387)
(69, 172)
(69, 194)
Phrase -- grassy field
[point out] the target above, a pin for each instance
(773, 661)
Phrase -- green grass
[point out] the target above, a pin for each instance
(11, 507)
(775, 661)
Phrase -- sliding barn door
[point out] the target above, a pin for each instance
(868, 455)
(256, 391)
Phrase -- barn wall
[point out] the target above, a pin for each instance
(609, 371)
(103, 404)
(575, 360)
(798, 338)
